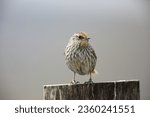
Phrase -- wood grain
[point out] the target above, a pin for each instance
(116, 90)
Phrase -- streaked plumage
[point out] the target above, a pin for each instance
(80, 57)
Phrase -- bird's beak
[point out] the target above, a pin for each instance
(86, 39)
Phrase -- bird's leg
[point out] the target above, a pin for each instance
(74, 76)
(90, 80)
(74, 80)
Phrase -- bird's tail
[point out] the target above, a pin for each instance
(94, 72)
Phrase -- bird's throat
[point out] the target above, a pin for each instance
(84, 43)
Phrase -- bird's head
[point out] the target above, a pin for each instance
(81, 38)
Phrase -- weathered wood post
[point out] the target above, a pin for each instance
(116, 90)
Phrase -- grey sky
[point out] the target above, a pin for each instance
(34, 33)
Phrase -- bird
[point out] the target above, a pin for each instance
(80, 56)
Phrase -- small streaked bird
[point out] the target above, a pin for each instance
(80, 57)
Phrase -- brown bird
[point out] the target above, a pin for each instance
(80, 57)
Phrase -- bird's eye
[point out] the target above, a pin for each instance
(81, 37)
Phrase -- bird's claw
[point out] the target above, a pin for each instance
(89, 82)
(73, 82)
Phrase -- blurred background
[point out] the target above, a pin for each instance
(34, 34)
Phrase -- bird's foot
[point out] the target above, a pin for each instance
(89, 82)
(73, 82)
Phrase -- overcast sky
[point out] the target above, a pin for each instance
(34, 33)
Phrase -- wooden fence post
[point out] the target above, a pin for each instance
(128, 90)
(118, 90)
